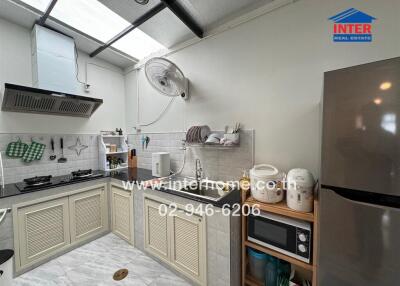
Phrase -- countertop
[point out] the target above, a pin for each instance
(131, 175)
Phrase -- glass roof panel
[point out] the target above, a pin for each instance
(38, 4)
(96, 20)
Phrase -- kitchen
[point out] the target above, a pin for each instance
(270, 66)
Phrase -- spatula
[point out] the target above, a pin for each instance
(53, 156)
(62, 159)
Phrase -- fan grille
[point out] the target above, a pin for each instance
(166, 77)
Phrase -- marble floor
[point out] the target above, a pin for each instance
(94, 265)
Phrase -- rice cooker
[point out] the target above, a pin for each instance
(266, 183)
(300, 190)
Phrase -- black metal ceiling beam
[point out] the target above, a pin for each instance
(46, 14)
(146, 16)
(184, 16)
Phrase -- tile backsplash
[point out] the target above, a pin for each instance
(218, 163)
(15, 170)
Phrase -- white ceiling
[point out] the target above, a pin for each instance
(165, 27)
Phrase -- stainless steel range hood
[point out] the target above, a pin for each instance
(19, 98)
(54, 79)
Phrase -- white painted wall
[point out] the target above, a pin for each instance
(268, 75)
(106, 80)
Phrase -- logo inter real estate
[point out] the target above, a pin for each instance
(352, 25)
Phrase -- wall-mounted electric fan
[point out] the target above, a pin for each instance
(167, 78)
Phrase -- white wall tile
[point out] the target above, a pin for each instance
(218, 164)
(15, 170)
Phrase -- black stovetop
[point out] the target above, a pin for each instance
(38, 183)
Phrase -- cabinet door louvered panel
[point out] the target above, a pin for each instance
(156, 230)
(88, 214)
(122, 213)
(43, 229)
(187, 244)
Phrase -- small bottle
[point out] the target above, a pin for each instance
(244, 181)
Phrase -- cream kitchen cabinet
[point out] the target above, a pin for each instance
(43, 230)
(178, 238)
(122, 213)
(88, 214)
(156, 229)
(48, 226)
(187, 251)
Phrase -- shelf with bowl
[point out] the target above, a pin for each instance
(117, 152)
(212, 145)
(217, 136)
(307, 269)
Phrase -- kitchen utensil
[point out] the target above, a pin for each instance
(266, 183)
(231, 139)
(143, 141)
(62, 159)
(16, 149)
(198, 134)
(237, 128)
(53, 156)
(300, 195)
(213, 138)
(147, 141)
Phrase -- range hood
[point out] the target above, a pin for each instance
(54, 79)
(19, 98)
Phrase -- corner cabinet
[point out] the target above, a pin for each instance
(122, 213)
(177, 238)
(43, 229)
(88, 214)
(48, 226)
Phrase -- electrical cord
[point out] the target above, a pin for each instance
(76, 65)
(161, 113)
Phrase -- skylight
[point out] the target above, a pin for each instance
(96, 20)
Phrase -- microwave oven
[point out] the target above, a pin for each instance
(286, 235)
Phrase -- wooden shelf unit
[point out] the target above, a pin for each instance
(279, 255)
(281, 209)
(249, 280)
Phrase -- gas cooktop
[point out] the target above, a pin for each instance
(40, 182)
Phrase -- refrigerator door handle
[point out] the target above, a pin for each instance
(362, 197)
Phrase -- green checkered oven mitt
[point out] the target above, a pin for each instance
(34, 152)
(16, 149)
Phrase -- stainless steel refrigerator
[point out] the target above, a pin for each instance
(360, 176)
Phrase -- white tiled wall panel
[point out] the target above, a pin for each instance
(218, 163)
(15, 170)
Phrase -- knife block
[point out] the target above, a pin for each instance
(132, 161)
